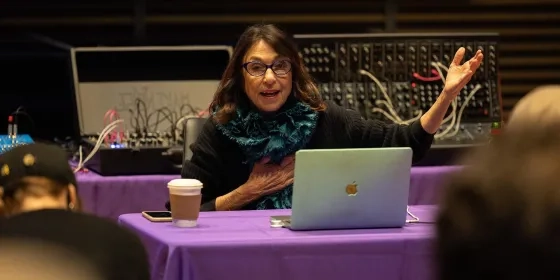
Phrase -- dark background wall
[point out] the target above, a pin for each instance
(530, 29)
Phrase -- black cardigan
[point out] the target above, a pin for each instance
(218, 162)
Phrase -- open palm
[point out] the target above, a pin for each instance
(460, 74)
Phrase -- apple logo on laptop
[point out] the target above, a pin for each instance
(352, 189)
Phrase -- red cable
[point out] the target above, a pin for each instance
(436, 77)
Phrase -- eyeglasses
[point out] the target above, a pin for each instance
(256, 68)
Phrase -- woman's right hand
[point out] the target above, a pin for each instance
(267, 178)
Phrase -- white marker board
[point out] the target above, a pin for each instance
(96, 94)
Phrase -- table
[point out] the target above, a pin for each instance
(242, 245)
(112, 196)
(115, 195)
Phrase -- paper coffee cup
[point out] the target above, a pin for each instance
(184, 197)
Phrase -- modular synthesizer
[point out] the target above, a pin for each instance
(135, 154)
(397, 77)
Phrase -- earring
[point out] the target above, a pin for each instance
(71, 205)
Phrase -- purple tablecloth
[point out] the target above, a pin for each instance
(113, 196)
(117, 195)
(242, 245)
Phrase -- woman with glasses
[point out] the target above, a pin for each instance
(267, 107)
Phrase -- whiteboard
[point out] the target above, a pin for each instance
(95, 99)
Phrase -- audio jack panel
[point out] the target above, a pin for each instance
(397, 77)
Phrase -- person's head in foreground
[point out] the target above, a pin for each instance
(500, 216)
(39, 196)
(265, 71)
(24, 259)
(539, 106)
(34, 177)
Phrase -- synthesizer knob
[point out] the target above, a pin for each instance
(305, 50)
(406, 88)
(342, 50)
(338, 97)
(337, 88)
(350, 99)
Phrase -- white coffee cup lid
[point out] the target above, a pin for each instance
(184, 183)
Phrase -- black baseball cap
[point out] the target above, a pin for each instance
(36, 159)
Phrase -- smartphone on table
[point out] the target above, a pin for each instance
(157, 216)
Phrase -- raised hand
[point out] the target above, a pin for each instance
(460, 74)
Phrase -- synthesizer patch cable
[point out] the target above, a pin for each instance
(397, 77)
(141, 150)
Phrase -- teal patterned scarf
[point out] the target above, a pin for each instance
(276, 136)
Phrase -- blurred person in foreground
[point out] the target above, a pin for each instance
(22, 259)
(538, 107)
(40, 203)
(500, 217)
(267, 107)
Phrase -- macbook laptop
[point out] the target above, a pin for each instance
(349, 189)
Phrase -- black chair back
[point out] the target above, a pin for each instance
(191, 130)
